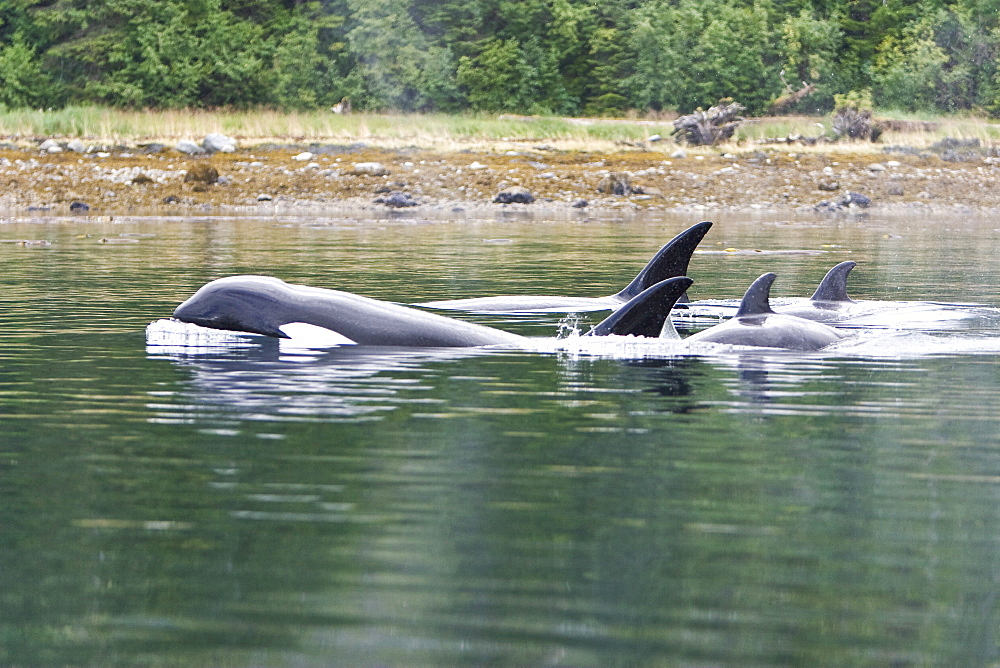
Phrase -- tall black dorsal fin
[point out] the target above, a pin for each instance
(833, 287)
(646, 313)
(671, 261)
(757, 300)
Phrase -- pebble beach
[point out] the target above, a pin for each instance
(65, 179)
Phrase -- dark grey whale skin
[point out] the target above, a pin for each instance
(670, 261)
(755, 324)
(262, 305)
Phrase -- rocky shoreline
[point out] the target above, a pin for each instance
(66, 178)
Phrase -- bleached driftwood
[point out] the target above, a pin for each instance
(790, 97)
(704, 128)
(855, 123)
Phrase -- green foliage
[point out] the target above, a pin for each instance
(811, 48)
(609, 104)
(908, 68)
(307, 64)
(521, 56)
(692, 53)
(858, 100)
(498, 79)
(402, 68)
(22, 81)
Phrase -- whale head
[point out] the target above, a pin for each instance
(254, 304)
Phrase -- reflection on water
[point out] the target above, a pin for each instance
(583, 504)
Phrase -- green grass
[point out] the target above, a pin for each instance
(425, 130)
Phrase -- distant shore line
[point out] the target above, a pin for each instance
(444, 132)
(450, 168)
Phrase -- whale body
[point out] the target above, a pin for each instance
(271, 307)
(669, 262)
(755, 324)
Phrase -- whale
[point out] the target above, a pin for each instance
(830, 302)
(756, 324)
(271, 307)
(669, 262)
(832, 305)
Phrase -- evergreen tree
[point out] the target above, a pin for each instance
(521, 56)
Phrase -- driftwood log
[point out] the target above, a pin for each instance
(793, 138)
(704, 128)
(855, 123)
(791, 97)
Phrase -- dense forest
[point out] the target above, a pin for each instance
(592, 57)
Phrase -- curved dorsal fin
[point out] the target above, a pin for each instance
(646, 313)
(756, 300)
(669, 262)
(833, 287)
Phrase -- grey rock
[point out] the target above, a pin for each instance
(580, 203)
(189, 147)
(216, 142)
(368, 169)
(855, 199)
(397, 200)
(847, 201)
(514, 195)
(616, 183)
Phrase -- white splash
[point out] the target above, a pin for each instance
(169, 336)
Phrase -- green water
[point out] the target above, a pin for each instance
(387, 508)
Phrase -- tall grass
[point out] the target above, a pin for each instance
(423, 130)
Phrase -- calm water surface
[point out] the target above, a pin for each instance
(259, 506)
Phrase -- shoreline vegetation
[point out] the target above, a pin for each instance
(105, 125)
(123, 161)
(560, 58)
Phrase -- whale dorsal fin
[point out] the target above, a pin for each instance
(669, 262)
(646, 313)
(833, 287)
(756, 300)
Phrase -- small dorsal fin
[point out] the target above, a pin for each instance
(646, 313)
(756, 300)
(669, 262)
(833, 287)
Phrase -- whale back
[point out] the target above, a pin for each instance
(265, 305)
(646, 313)
(833, 287)
(755, 324)
(669, 262)
(262, 305)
